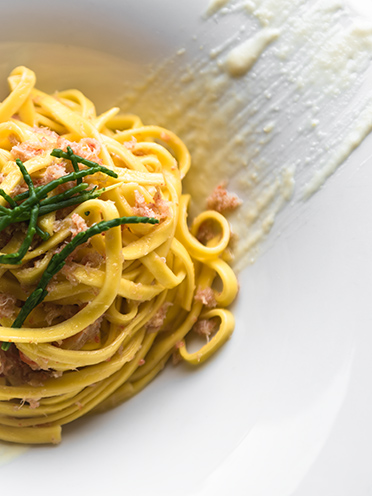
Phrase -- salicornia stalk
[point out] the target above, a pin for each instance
(43, 235)
(16, 258)
(8, 198)
(74, 162)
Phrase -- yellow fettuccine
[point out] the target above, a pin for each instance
(126, 300)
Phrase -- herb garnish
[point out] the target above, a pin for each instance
(35, 204)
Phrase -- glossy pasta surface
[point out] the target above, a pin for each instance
(124, 302)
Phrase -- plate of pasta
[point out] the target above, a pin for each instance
(175, 306)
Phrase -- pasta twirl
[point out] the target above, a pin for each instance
(124, 300)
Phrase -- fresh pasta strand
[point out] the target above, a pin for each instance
(123, 302)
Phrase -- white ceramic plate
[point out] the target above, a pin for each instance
(285, 407)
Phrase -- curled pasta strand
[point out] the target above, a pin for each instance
(116, 317)
(230, 287)
(195, 247)
(224, 332)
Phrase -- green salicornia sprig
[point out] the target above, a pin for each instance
(43, 191)
(59, 259)
(22, 212)
(43, 234)
(8, 198)
(81, 160)
(16, 258)
(66, 194)
(72, 191)
(27, 178)
(75, 200)
(4, 210)
(24, 195)
(73, 158)
(11, 215)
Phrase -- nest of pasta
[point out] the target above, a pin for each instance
(124, 298)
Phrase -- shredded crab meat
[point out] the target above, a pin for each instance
(33, 365)
(176, 356)
(7, 233)
(20, 188)
(68, 271)
(78, 225)
(222, 201)
(88, 148)
(53, 311)
(159, 208)
(157, 321)
(57, 226)
(33, 402)
(31, 148)
(52, 172)
(45, 131)
(17, 372)
(56, 374)
(92, 259)
(89, 334)
(206, 296)
(33, 264)
(205, 232)
(205, 327)
(130, 144)
(7, 305)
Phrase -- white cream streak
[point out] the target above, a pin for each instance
(215, 5)
(362, 128)
(241, 58)
(267, 107)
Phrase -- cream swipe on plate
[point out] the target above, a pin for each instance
(101, 278)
